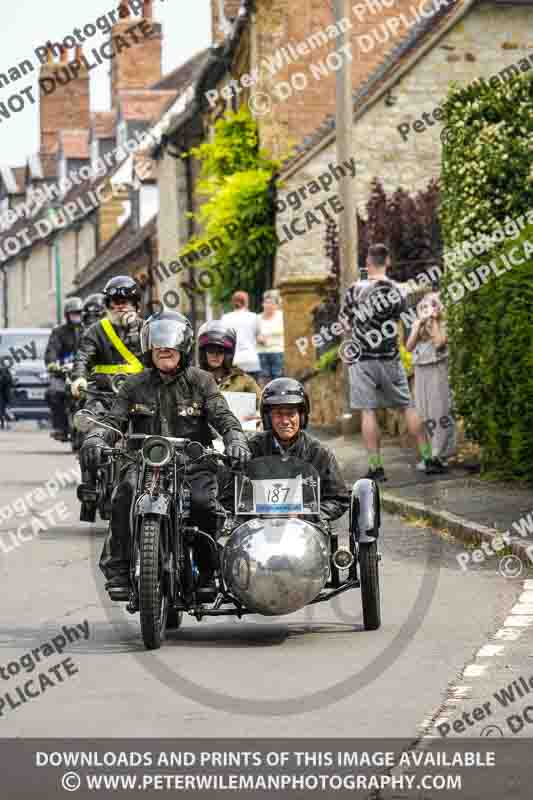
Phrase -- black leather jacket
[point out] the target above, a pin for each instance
(184, 406)
(96, 348)
(64, 341)
(334, 496)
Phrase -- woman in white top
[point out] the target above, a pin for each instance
(270, 338)
(245, 324)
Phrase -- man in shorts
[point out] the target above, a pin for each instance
(373, 307)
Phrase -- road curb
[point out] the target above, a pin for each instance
(460, 527)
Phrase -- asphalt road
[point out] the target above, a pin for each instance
(316, 672)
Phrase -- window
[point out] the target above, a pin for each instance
(122, 133)
(95, 154)
(26, 287)
(62, 172)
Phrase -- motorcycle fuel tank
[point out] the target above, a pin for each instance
(276, 566)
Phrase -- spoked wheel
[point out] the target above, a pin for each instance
(153, 598)
(369, 574)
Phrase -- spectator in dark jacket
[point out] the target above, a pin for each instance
(6, 384)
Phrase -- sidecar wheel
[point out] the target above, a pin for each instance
(153, 603)
(369, 574)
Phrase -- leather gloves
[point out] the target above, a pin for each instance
(237, 449)
(91, 454)
(78, 386)
(54, 366)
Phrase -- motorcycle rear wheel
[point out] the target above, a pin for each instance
(369, 575)
(153, 600)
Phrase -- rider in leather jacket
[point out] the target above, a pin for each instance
(62, 345)
(171, 399)
(285, 413)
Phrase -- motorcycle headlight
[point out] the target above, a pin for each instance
(156, 451)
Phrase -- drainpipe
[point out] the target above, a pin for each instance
(190, 231)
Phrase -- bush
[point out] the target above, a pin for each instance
(486, 186)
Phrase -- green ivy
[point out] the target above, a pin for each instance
(486, 186)
(236, 178)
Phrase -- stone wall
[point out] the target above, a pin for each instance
(285, 23)
(299, 296)
(484, 43)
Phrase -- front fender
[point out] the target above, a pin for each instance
(365, 517)
(149, 504)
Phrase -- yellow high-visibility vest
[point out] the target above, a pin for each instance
(132, 365)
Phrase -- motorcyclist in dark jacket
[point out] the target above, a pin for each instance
(171, 399)
(6, 385)
(94, 310)
(285, 414)
(111, 345)
(62, 346)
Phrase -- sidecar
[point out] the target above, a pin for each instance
(281, 556)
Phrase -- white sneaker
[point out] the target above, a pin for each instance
(421, 466)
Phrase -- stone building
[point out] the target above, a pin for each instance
(258, 48)
(86, 188)
(396, 138)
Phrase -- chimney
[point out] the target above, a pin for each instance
(138, 66)
(64, 98)
(222, 13)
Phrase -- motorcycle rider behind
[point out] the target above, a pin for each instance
(112, 344)
(94, 310)
(170, 398)
(285, 414)
(62, 345)
(216, 350)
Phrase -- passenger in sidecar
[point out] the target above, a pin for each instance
(285, 414)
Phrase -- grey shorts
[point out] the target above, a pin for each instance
(379, 384)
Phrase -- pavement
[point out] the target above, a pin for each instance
(462, 503)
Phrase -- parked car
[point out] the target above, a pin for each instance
(22, 350)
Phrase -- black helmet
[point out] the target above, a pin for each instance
(284, 392)
(216, 332)
(93, 308)
(73, 305)
(167, 329)
(124, 287)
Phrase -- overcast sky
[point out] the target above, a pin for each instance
(26, 24)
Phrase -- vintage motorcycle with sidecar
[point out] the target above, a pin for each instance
(275, 555)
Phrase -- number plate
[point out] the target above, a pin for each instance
(35, 394)
(283, 496)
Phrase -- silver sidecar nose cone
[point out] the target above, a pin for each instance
(276, 566)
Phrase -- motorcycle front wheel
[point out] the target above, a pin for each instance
(153, 599)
